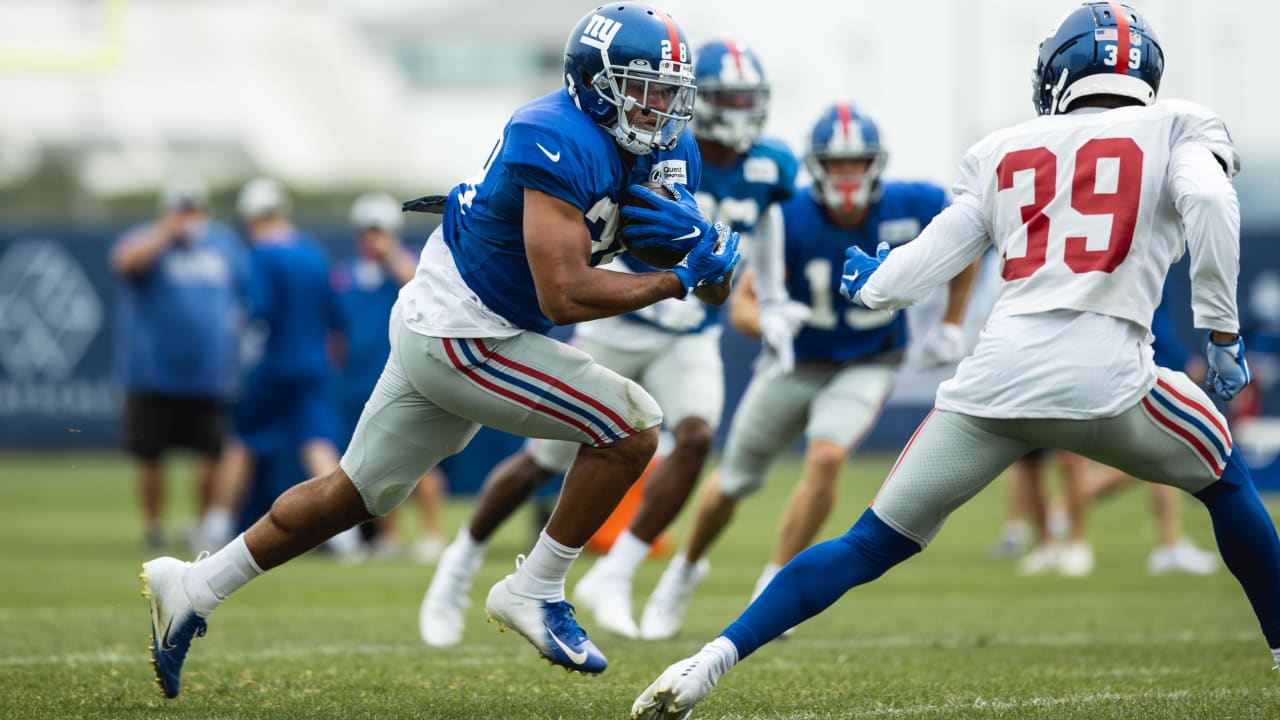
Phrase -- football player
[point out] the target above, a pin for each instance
(517, 253)
(845, 357)
(1088, 205)
(671, 348)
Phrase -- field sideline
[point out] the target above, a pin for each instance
(949, 635)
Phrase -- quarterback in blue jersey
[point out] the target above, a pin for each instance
(184, 280)
(671, 348)
(517, 253)
(828, 366)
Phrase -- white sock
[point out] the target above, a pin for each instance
(469, 548)
(626, 555)
(725, 652)
(217, 527)
(542, 574)
(1275, 653)
(209, 581)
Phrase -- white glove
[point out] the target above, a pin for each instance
(944, 345)
(780, 321)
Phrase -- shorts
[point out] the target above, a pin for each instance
(279, 414)
(155, 423)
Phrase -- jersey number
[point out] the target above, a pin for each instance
(822, 313)
(1121, 205)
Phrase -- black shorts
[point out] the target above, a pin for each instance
(156, 423)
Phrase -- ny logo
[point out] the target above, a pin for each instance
(600, 31)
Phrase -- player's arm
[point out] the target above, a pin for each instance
(1210, 212)
(558, 245)
(136, 253)
(744, 307)
(951, 243)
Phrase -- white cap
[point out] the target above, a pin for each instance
(261, 196)
(377, 210)
(184, 190)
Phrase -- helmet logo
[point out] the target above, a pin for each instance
(600, 32)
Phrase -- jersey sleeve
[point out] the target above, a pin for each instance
(540, 159)
(1210, 212)
(1198, 125)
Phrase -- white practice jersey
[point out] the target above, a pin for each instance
(1087, 210)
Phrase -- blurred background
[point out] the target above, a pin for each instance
(104, 100)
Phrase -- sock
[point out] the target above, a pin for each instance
(766, 576)
(626, 555)
(1275, 653)
(209, 581)
(542, 574)
(818, 577)
(217, 526)
(1247, 541)
(470, 549)
(723, 654)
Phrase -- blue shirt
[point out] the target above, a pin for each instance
(551, 146)
(738, 194)
(179, 320)
(291, 297)
(364, 292)
(814, 257)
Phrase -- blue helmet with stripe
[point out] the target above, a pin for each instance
(625, 56)
(733, 96)
(1100, 48)
(843, 132)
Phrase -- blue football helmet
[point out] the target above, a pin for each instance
(1100, 48)
(733, 96)
(628, 55)
(842, 133)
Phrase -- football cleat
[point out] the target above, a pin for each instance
(548, 626)
(663, 614)
(174, 623)
(1182, 557)
(608, 597)
(1076, 559)
(440, 619)
(679, 687)
(1039, 561)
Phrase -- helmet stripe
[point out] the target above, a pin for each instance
(846, 116)
(737, 56)
(673, 33)
(1122, 37)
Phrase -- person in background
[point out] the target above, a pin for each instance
(365, 288)
(183, 284)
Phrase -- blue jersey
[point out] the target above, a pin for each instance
(364, 292)
(291, 296)
(179, 320)
(738, 194)
(814, 257)
(551, 146)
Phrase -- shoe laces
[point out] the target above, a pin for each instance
(559, 620)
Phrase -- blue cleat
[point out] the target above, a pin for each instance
(548, 626)
(174, 623)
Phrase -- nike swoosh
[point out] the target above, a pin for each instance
(850, 278)
(551, 157)
(577, 657)
(692, 234)
(164, 637)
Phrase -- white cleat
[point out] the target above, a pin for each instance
(679, 687)
(663, 614)
(1183, 557)
(548, 625)
(608, 597)
(174, 622)
(1076, 560)
(440, 619)
(1039, 561)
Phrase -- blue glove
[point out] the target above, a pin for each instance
(675, 224)
(1228, 372)
(858, 267)
(709, 260)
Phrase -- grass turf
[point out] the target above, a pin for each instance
(948, 635)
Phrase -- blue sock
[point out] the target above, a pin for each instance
(1248, 543)
(818, 577)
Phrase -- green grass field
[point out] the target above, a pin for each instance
(949, 635)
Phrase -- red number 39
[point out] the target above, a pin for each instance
(1121, 205)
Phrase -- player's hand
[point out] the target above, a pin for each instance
(709, 260)
(944, 345)
(858, 267)
(675, 224)
(780, 321)
(1228, 372)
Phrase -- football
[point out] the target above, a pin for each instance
(659, 258)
